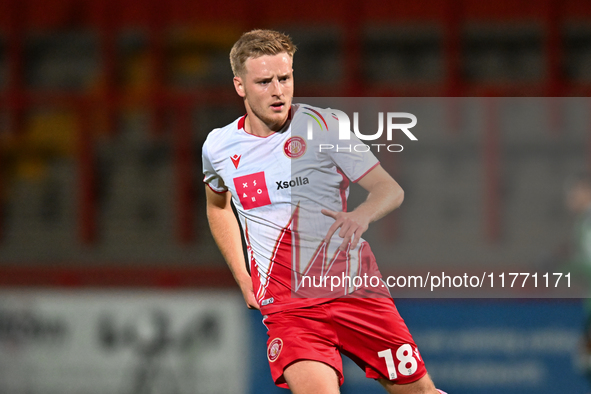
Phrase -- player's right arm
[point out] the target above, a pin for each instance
(226, 233)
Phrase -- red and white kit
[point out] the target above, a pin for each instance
(279, 185)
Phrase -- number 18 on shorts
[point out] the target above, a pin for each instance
(407, 363)
(368, 331)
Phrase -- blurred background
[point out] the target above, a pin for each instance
(109, 278)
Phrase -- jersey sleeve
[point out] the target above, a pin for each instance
(211, 177)
(352, 156)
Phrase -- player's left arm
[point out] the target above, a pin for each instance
(385, 195)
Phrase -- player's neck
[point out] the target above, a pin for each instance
(254, 125)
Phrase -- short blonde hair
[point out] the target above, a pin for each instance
(256, 43)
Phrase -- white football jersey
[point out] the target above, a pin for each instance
(279, 185)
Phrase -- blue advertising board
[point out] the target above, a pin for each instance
(474, 347)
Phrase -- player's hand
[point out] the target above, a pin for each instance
(248, 294)
(352, 226)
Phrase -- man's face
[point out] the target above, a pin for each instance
(578, 198)
(267, 86)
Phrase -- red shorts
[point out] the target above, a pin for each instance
(368, 330)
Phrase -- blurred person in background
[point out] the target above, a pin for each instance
(243, 162)
(578, 202)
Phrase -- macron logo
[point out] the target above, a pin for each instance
(236, 160)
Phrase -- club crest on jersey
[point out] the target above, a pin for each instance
(294, 147)
(274, 349)
(236, 160)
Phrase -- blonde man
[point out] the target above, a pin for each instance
(291, 202)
